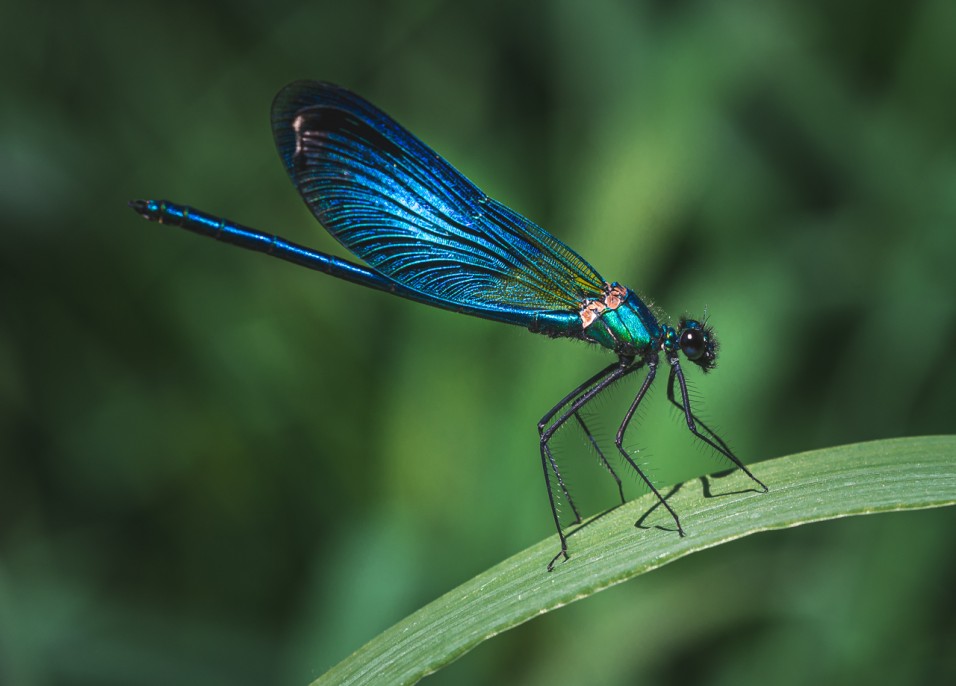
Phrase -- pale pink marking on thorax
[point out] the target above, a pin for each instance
(591, 310)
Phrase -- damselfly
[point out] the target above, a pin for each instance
(430, 235)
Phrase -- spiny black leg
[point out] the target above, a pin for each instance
(724, 448)
(597, 449)
(564, 489)
(547, 458)
(579, 389)
(644, 517)
(619, 441)
(577, 399)
(692, 422)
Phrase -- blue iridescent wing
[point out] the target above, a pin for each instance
(411, 216)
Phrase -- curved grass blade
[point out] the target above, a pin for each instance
(865, 478)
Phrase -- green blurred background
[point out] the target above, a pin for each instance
(205, 478)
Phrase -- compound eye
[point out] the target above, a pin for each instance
(693, 344)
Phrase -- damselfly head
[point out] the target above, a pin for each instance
(698, 343)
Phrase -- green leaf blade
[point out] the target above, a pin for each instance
(866, 478)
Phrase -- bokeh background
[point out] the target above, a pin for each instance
(217, 468)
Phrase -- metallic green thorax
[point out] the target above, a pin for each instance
(624, 324)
